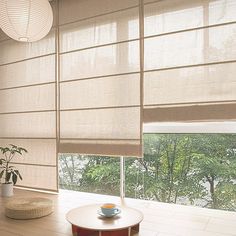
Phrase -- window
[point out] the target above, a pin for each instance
(94, 174)
(188, 169)
(188, 164)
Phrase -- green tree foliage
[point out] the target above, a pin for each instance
(197, 169)
(164, 173)
(102, 175)
(215, 164)
(90, 174)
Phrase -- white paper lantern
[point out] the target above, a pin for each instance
(26, 20)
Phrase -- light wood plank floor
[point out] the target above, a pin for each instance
(160, 219)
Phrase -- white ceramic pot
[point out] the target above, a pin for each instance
(7, 190)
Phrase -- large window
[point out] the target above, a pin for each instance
(184, 168)
(188, 169)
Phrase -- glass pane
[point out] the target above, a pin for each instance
(41, 177)
(12, 51)
(188, 85)
(106, 60)
(94, 174)
(40, 151)
(34, 71)
(173, 15)
(111, 28)
(28, 125)
(80, 10)
(33, 98)
(187, 169)
(190, 48)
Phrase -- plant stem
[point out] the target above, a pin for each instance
(6, 172)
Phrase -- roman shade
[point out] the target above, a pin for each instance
(100, 77)
(78, 90)
(28, 108)
(190, 60)
(106, 68)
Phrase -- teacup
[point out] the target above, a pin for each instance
(109, 209)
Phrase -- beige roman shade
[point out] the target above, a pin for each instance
(27, 108)
(100, 78)
(82, 88)
(190, 60)
(78, 90)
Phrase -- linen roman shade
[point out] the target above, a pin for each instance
(100, 77)
(82, 89)
(27, 108)
(190, 60)
(77, 90)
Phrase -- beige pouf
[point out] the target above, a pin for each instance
(28, 208)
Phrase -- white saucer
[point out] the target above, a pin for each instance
(118, 211)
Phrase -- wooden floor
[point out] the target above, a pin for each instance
(160, 219)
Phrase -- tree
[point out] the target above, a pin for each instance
(197, 169)
(215, 164)
(101, 175)
(95, 174)
(165, 169)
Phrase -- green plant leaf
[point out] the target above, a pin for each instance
(8, 176)
(4, 150)
(14, 178)
(12, 145)
(1, 174)
(18, 173)
(20, 176)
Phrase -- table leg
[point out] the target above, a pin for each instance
(129, 231)
(134, 229)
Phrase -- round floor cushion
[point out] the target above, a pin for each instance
(28, 208)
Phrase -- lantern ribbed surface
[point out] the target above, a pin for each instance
(26, 20)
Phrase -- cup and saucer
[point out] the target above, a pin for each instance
(109, 210)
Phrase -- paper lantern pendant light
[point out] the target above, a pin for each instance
(26, 20)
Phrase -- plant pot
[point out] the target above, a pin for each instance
(7, 190)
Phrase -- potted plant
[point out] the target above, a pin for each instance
(8, 172)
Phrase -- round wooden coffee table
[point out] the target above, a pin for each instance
(86, 221)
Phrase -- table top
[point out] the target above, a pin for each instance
(87, 217)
